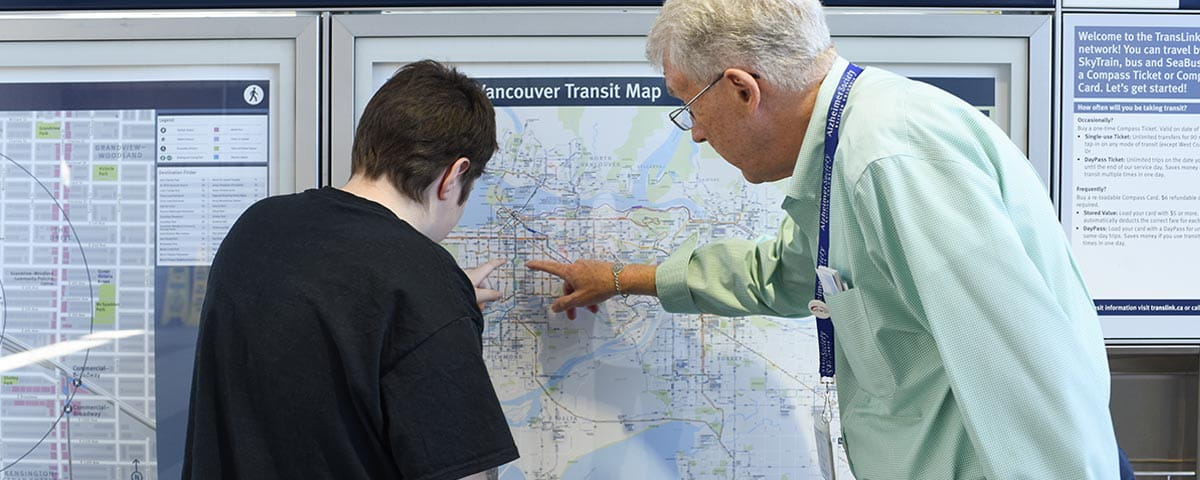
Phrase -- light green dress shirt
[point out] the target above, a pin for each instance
(967, 346)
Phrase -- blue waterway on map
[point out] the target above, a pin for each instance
(660, 159)
(652, 170)
(654, 164)
(534, 397)
(650, 454)
(518, 125)
(511, 472)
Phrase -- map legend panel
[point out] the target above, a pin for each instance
(212, 139)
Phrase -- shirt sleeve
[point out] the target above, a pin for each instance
(1034, 402)
(442, 417)
(734, 277)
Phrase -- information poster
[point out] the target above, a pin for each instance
(114, 196)
(1131, 164)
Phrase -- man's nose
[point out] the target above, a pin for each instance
(698, 135)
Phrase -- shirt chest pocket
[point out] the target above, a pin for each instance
(859, 342)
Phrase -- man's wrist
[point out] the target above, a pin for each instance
(634, 279)
(617, 268)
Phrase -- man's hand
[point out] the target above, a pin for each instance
(586, 283)
(478, 276)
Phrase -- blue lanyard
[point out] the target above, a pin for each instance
(833, 124)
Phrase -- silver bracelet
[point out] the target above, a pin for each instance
(616, 269)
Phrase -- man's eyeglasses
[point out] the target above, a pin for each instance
(682, 116)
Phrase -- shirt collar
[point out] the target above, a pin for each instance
(806, 178)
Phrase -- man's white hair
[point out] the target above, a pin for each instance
(785, 41)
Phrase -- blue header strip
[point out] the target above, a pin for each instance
(578, 91)
(1155, 108)
(1148, 307)
(652, 91)
(164, 95)
(1136, 62)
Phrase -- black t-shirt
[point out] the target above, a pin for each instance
(338, 342)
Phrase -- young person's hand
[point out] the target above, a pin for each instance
(478, 275)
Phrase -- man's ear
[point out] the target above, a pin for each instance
(453, 178)
(748, 90)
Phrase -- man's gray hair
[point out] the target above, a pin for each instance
(785, 41)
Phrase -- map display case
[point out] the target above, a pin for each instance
(589, 166)
(128, 147)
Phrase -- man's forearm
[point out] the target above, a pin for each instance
(638, 279)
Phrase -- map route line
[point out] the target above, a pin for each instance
(548, 394)
(760, 355)
(3, 310)
(516, 217)
(721, 433)
(70, 458)
(531, 195)
(91, 324)
(16, 346)
(691, 219)
(544, 237)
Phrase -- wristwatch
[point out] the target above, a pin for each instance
(617, 268)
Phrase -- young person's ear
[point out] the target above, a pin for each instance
(452, 178)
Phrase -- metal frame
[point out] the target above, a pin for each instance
(1037, 28)
(1160, 347)
(298, 141)
(345, 29)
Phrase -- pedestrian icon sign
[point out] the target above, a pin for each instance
(253, 94)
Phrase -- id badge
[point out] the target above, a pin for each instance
(824, 443)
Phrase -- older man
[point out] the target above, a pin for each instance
(966, 345)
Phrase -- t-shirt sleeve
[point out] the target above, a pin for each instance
(442, 417)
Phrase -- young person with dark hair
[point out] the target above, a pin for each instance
(338, 339)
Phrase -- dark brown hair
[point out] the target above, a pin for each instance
(423, 119)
